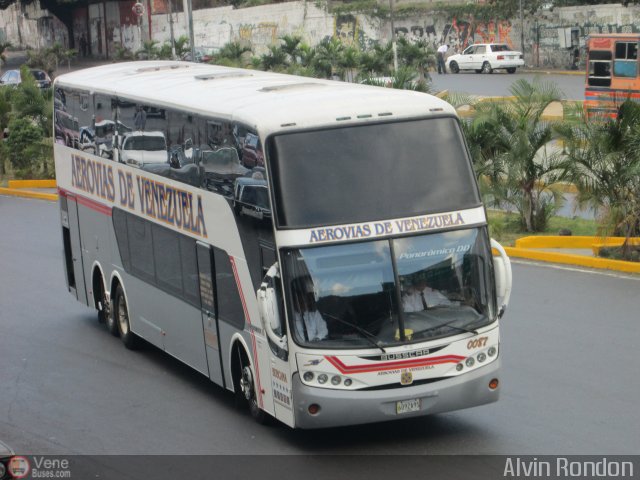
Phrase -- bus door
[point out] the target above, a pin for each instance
(209, 317)
(75, 241)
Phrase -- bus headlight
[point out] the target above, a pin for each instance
(492, 351)
(308, 376)
(347, 382)
(335, 380)
(481, 357)
(322, 378)
(469, 362)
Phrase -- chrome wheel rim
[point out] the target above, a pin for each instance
(246, 383)
(123, 319)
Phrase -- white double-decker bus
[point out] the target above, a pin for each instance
(318, 248)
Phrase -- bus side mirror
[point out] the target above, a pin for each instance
(269, 307)
(502, 270)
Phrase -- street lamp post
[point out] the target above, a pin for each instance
(394, 47)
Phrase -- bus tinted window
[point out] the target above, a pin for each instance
(158, 255)
(140, 248)
(230, 310)
(380, 171)
(166, 253)
(120, 227)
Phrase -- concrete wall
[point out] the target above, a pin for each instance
(30, 26)
(550, 38)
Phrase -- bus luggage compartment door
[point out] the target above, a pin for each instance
(209, 318)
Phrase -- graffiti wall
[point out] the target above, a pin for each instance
(459, 33)
(552, 38)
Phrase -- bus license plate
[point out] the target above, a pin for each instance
(406, 406)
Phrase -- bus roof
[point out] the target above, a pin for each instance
(268, 101)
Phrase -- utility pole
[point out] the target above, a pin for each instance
(173, 39)
(521, 30)
(394, 46)
(191, 36)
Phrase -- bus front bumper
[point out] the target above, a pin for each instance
(353, 407)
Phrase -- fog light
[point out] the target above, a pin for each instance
(481, 357)
(308, 376)
(322, 378)
(314, 408)
(493, 384)
(492, 351)
(335, 380)
(347, 382)
(459, 367)
(469, 362)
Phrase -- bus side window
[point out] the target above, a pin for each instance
(229, 304)
(626, 61)
(599, 68)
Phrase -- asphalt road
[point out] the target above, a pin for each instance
(569, 345)
(498, 83)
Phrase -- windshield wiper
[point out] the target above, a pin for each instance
(370, 337)
(448, 325)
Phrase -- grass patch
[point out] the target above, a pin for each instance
(505, 227)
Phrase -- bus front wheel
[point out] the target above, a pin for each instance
(121, 314)
(246, 389)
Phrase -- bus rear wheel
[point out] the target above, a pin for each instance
(246, 389)
(121, 314)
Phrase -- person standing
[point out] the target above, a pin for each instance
(140, 118)
(440, 53)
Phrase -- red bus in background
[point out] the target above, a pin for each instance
(612, 73)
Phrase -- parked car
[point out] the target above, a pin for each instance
(13, 77)
(142, 148)
(66, 129)
(252, 155)
(99, 138)
(485, 58)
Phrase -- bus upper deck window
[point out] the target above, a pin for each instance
(625, 64)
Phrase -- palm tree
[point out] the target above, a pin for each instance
(328, 55)
(603, 161)
(276, 59)
(291, 46)
(526, 169)
(231, 53)
(148, 51)
(417, 55)
(349, 62)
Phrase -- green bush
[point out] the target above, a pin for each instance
(22, 146)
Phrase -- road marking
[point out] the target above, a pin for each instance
(574, 269)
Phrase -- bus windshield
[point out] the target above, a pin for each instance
(383, 170)
(390, 292)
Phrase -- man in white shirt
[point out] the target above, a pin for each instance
(421, 297)
(309, 324)
(440, 53)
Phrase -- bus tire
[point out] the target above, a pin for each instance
(104, 306)
(121, 315)
(245, 388)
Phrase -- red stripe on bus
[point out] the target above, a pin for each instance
(253, 337)
(87, 202)
(377, 367)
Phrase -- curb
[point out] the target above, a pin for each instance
(32, 184)
(527, 247)
(16, 192)
(554, 72)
